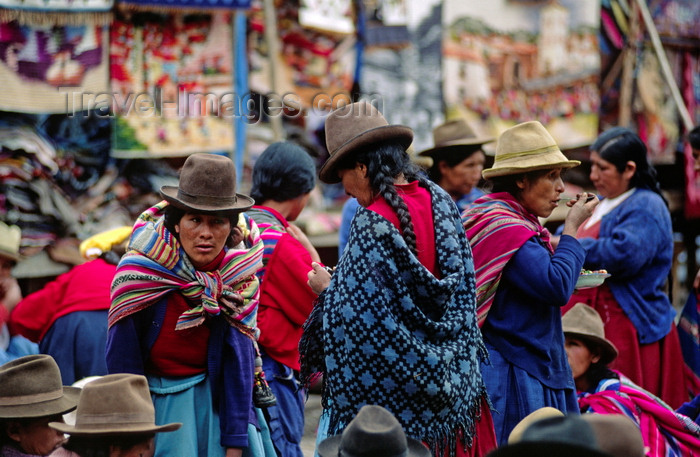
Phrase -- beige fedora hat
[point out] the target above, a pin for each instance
(31, 386)
(207, 183)
(354, 126)
(542, 413)
(584, 322)
(526, 147)
(452, 134)
(115, 404)
(10, 238)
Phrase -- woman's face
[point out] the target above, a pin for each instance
(356, 184)
(203, 236)
(463, 177)
(580, 357)
(36, 437)
(609, 182)
(540, 195)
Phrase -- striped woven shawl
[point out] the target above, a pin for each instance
(156, 265)
(497, 226)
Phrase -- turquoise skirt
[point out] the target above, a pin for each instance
(189, 401)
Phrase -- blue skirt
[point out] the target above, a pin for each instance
(200, 435)
(515, 394)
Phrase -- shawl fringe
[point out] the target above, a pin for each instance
(59, 18)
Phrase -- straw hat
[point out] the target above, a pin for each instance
(374, 432)
(526, 147)
(31, 386)
(207, 183)
(584, 322)
(10, 237)
(453, 134)
(115, 404)
(354, 126)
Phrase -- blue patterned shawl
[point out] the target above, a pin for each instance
(387, 332)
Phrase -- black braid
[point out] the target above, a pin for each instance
(385, 163)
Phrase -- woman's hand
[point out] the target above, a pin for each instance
(581, 209)
(299, 235)
(10, 292)
(319, 278)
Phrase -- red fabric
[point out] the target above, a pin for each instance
(484, 440)
(286, 301)
(419, 205)
(656, 367)
(85, 287)
(181, 352)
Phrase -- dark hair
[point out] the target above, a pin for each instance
(98, 446)
(385, 162)
(620, 145)
(694, 137)
(597, 371)
(173, 214)
(283, 172)
(451, 155)
(509, 183)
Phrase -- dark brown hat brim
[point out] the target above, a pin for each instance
(385, 133)
(548, 448)
(64, 404)
(451, 145)
(169, 193)
(330, 447)
(114, 429)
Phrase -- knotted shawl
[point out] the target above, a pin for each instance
(664, 432)
(388, 332)
(156, 265)
(497, 226)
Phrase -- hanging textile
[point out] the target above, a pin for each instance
(172, 84)
(192, 5)
(56, 12)
(508, 62)
(44, 68)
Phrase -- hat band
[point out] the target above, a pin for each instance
(342, 452)
(114, 419)
(515, 155)
(205, 200)
(30, 399)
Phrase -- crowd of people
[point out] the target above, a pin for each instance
(452, 325)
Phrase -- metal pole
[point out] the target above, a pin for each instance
(273, 55)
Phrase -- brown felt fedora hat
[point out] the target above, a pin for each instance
(354, 126)
(373, 432)
(115, 404)
(207, 183)
(526, 147)
(584, 322)
(453, 134)
(31, 386)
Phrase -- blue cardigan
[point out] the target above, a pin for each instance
(635, 245)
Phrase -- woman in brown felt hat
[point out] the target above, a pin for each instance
(602, 390)
(394, 325)
(521, 281)
(32, 395)
(457, 161)
(184, 305)
(115, 418)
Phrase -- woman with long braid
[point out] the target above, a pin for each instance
(630, 235)
(395, 324)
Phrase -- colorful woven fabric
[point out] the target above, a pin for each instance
(497, 226)
(156, 265)
(186, 4)
(388, 332)
(57, 12)
(665, 433)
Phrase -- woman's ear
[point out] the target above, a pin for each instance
(630, 170)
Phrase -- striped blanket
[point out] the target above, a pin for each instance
(665, 432)
(497, 226)
(156, 265)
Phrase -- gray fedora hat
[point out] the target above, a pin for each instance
(373, 432)
(354, 126)
(115, 404)
(207, 183)
(584, 322)
(31, 386)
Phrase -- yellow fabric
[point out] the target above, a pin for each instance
(94, 246)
